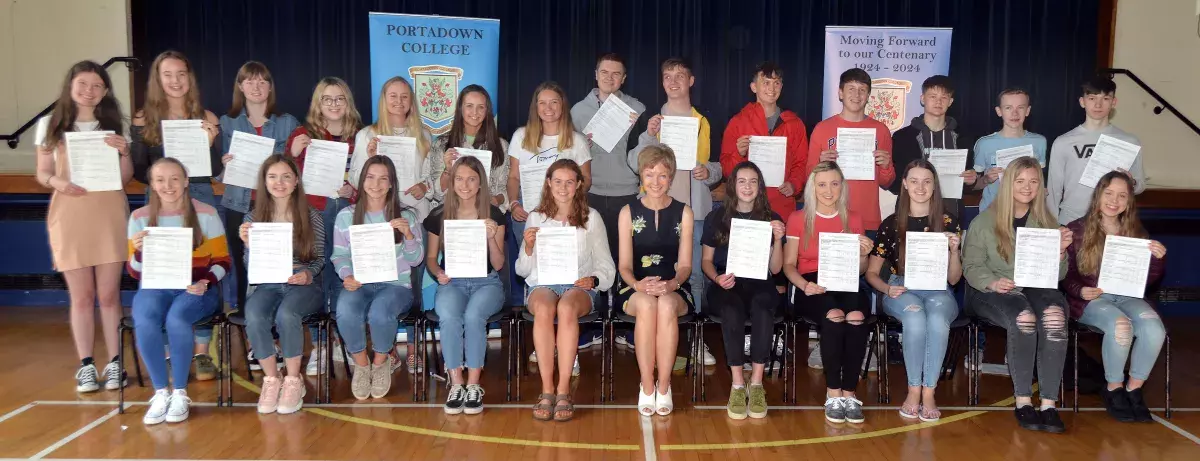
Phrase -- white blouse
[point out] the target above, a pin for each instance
(594, 256)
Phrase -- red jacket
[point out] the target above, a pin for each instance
(317, 201)
(751, 121)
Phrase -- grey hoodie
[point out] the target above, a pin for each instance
(611, 175)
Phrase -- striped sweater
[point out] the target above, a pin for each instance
(318, 262)
(409, 253)
(210, 260)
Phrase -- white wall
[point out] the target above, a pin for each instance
(1158, 41)
(39, 41)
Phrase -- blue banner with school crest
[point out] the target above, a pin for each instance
(439, 55)
(898, 60)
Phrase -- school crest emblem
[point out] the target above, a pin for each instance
(888, 100)
(436, 88)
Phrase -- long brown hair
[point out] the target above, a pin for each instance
(533, 127)
(107, 112)
(579, 205)
(810, 200)
(761, 210)
(383, 126)
(154, 203)
(453, 203)
(487, 138)
(936, 222)
(264, 207)
(249, 70)
(1091, 250)
(157, 108)
(392, 208)
(1039, 213)
(314, 122)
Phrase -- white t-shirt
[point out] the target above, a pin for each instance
(548, 149)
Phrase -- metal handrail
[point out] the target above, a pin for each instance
(13, 139)
(1162, 103)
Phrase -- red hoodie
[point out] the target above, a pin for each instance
(751, 121)
(864, 195)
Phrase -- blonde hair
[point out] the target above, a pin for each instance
(1091, 249)
(533, 127)
(658, 154)
(1039, 214)
(154, 202)
(156, 107)
(384, 127)
(315, 122)
(810, 200)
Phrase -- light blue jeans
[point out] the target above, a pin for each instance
(283, 307)
(1122, 319)
(926, 316)
(175, 311)
(377, 304)
(463, 307)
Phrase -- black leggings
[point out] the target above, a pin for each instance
(756, 299)
(843, 343)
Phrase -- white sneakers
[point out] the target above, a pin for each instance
(172, 407)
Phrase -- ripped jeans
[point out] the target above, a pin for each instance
(1122, 319)
(1036, 321)
(926, 316)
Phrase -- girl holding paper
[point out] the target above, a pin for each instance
(379, 303)
(736, 297)
(840, 315)
(1122, 318)
(464, 304)
(86, 228)
(547, 136)
(283, 306)
(563, 204)
(171, 205)
(925, 314)
(397, 116)
(474, 127)
(1035, 318)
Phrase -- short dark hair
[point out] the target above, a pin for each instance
(1012, 90)
(614, 57)
(672, 63)
(1099, 84)
(855, 75)
(938, 81)
(767, 69)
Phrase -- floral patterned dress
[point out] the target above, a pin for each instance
(656, 247)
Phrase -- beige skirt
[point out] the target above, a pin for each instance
(89, 230)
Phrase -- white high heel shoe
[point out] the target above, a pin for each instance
(646, 403)
(662, 402)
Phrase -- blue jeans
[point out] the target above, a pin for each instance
(926, 316)
(203, 191)
(560, 290)
(377, 304)
(283, 307)
(697, 280)
(463, 307)
(1122, 319)
(176, 311)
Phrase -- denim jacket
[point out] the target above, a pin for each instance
(277, 127)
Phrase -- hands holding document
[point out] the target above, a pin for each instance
(769, 153)
(269, 246)
(324, 168)
(749, 250)
(558, 258)
(1035, 248)
(167, 259)
(1124, 267)
(1109, 154)
(680, 134)
(372, 255)
(247, 152)
(465, 251)
(610, 123)
(838, 261)
(949, 164)
(856, 154)
(188, 142)
(93, 161)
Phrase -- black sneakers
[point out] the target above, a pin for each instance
(455, 399)
(1137, 402)
(1051, 422)
(1028, 418)
(474, 402)
(1117, 403)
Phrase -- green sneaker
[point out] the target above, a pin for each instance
(737, 404)
(758, 401)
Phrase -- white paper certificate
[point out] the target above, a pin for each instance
(557, 251)
(533, 176)
(1109, 154)
(186, 141)
(270, 249)
(949, 163)
(769, 153)
(856, 153)
(484, 157)
(609, 124)
(402, 150)
(837, 262)
(249, 152)
(466, 251)
(325, 169)
(749, 250)
(94, 165)
(1006, 156)
(373, 252)
(167, 258)
(1036, 262)
(926, 260)
(680, 134)
(1125, 266)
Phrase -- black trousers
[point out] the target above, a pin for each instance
(749, 298)
(843, 345)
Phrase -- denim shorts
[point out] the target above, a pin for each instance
(560, 289)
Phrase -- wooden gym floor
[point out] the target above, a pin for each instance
(42, 417)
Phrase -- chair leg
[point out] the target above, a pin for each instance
(785, 358)
(121, 369)
(608, 344)
(1075, 380)
(884, 376)
(1167, 365)
(520, 360)
(246, 347)
(604, 371)
(508, 365)
(329, 368)
(137, 360)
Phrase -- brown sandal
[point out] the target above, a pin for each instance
(544, 409)
(563, 404)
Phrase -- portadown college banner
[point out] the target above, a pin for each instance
(439, 55)
(898, 59)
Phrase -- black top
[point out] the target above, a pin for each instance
(433, 223)
(656, 239)
(709, 239)
(1021, 222)
(144, 156)
(887, 242)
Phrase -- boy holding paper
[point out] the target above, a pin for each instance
(934, 130)
(994, 151)
(764, 117)
(1071, 152)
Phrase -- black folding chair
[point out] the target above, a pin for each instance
(521, 316)
(1077, 328)
(616, 314)
(781, 335)
(961, 324)
(216, 321)
(319, 320)
(430, 351)
(873, 344)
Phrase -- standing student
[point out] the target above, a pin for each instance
(547, 136)
(839, 314)
(1123, 319)
(163, 317)
(933, 130)
(694, 187)
(463, 305)
(1035, 318)
(854, 88)
(925, 314)
(1012, 108)
(86, 227)
(282, 306)
(563, 205)
(172, 94)
(1071, 152)
(397, 116)
(253, 112)
(741, 296)
(764, 117)
(379, 303)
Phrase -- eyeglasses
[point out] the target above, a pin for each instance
(328, 101)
